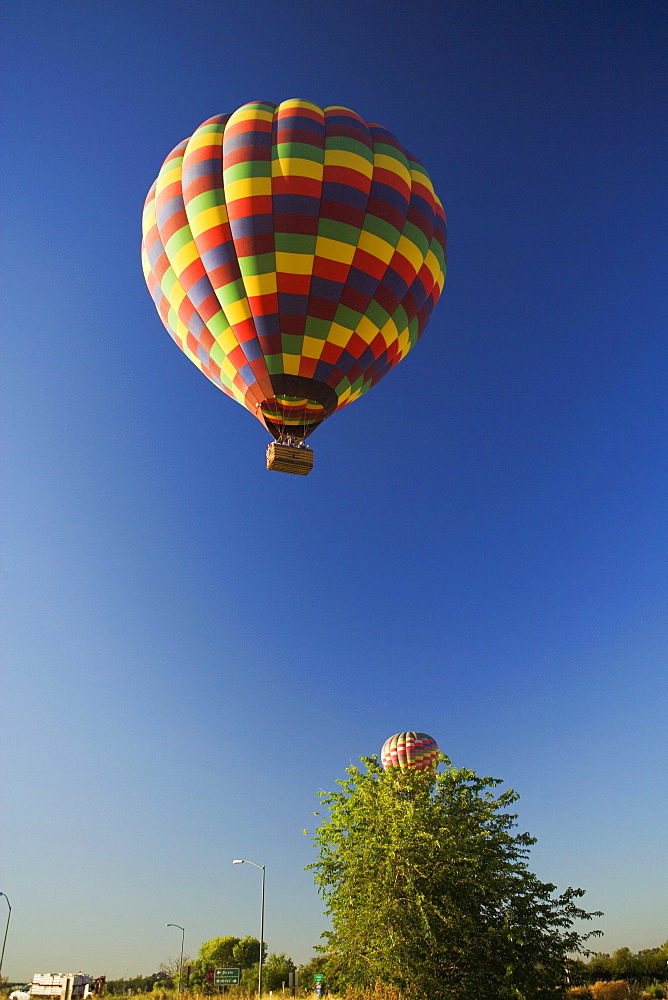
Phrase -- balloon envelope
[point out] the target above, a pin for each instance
(295, 255)
(410, 751)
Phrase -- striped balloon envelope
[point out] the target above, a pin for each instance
(410, 752)
(294, 254)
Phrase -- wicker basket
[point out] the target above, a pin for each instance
(284, 458)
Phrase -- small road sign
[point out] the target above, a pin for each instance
(318, 978)
(226, 977)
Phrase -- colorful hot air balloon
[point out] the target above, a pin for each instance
(295, 255)
(410, 752)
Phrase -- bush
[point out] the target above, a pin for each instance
(377, 992)
(619, 989)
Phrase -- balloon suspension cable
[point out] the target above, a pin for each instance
(308, 426)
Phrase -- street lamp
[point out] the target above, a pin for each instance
(261, 867)
(183, 934)
(4, 940)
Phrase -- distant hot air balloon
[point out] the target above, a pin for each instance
(410, 752)
(295, 255)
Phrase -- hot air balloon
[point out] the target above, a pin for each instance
(295, 255)
(410, 752)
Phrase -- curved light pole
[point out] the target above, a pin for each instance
(261, 867)
(183, 934)
(4, 940)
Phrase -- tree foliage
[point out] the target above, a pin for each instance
(138, 984)
(225, 953)
(318, 964)
(276, 971)
(642, 967)
(429, 889)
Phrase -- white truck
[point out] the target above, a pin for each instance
(65, 986)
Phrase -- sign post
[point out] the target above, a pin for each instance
(226, 977)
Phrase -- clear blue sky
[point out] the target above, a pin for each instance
(196, 646)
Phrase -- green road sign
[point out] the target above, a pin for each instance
(226, 977)
(318, 978)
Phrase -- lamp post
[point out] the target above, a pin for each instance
(261, 867)
(183, 934)
(4, 940)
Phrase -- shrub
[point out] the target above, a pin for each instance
(377, 992)
(619, 989)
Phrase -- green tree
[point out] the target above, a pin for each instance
(246, 952)
(306, 973)
(429, 889)
(276, 971)
(138, 984)
(248, 981)
(642, 968)
(225, 953)
(599, 968)
(218, 953)
(626, 965)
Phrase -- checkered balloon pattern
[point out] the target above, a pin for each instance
(410, 752)
(295, 255)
